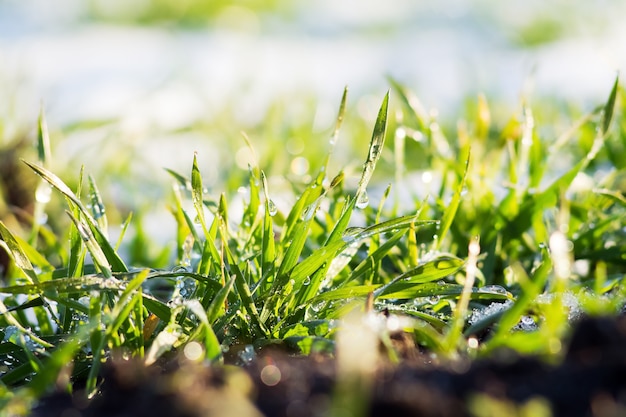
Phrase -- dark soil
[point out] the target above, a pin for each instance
(590, 381)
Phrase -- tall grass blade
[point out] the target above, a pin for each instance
(19, 257)
(375, 150)
(94, 249)
(116, 263)
(452, 207)
(609, 108)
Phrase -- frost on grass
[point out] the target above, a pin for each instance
(481, 314)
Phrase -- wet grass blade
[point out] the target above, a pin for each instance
(216, 308)
(98, 210)
(94, 249)
(19, 257)
(116, 263)
(65, 286)
(268, 247)
(375, 150)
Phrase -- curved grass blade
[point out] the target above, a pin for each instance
(181, 179)
(352, 235)
(216, 307)
(115, 262)
(245, 295)
(60, 358)
(414, 108)
(94, 249)
(8, 316)
(35, 302)
(19, 257)
(66, 286)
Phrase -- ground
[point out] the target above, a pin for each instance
(589, 381)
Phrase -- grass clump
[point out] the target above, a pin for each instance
(521, 234)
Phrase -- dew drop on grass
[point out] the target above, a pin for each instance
(307, 213)
(9, 331)
(351, 233)
(306, 281)
(317, 307)
(362, 200)
(433, 299)
(493, 289)
(43, 193)
(488, 311)
(271, 208)
(527, 323)
(247, 354)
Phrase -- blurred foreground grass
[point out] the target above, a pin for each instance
(508, 222)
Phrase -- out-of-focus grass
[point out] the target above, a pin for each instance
(488, 224)
(186, 12)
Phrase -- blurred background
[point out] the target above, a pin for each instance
(131, 87)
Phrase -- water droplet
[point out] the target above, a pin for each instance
(351, 234)
(42, 219)
(527, 323)
(247, 355)
(9, 331)
(83, 231)
(483, 313)
(271, 207)
(43, 193)
(309, 212)
(433, 299)
(493, 289)
(362, 200)
(306, 281)
(317, 307)
(176, 301)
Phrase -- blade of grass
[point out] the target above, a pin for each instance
(98, 209)
(116, 263)
(452, 207)
(18, 255)
(609, 108)
(375, 150)
(94, 249)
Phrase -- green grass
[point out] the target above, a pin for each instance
(524, 231)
